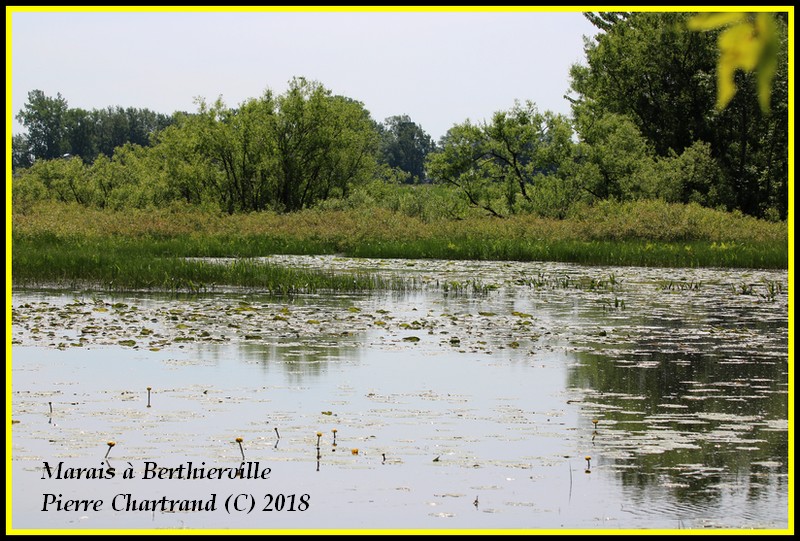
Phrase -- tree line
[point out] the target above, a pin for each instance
(645, 123)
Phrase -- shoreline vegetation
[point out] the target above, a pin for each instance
(67, 245)
(688, 170)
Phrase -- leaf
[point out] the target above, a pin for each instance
(750, 44)
(768, 63)
(709, 21)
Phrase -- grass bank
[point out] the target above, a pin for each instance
(58, 243)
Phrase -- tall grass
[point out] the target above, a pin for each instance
(115, 267)
(147, 249)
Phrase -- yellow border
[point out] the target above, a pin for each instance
(10, 10)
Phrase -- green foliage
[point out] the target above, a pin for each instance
(63, 180)
(55, 130)
(650, 233)
(236, 144)
(405, 146)
(44, 119)
(325, 144)
(21, 155)
(645, 117)
(283, 153)
(497, 164)
(184, 172)
(662, 77)
(426, 202)
(112, 127)
(614, 156)
(749, 42)
(692, 177)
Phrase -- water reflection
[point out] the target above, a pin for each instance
(691, 403)
(301, 361)
(497, 389)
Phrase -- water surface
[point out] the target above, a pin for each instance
(473, 400)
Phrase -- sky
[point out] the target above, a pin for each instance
(439, 68)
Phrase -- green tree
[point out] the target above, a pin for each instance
(81, 134)
(405, 146)
(44, 118)
(54, 129)
(650, 68)
(498, 164)
(187, 174)
(21, 155)
(112, 129)
(614, 156)
(326, 144)
(238, 143)
(282, 153)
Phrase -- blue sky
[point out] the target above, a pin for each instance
(440, 68)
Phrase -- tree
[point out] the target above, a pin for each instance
(614, 156)
(325, 144)
(45, 120)
(497, 164)
(283, 153)
(405, 146)
(21, 155)
(55, 130)
(81, 134)
(650, 68)
(238, 143)
(188, 174)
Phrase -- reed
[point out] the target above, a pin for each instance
(164, 248)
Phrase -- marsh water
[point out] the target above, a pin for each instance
(488, 396)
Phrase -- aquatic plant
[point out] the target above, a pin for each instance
(679, 285)
(743, 289)
(617, 304)
(773, 289)
(60, 242)
(239, 441)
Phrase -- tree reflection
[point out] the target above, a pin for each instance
(688, 421)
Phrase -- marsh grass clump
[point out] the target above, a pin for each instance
(678, 285)
(119, 266)
(466, 287)
(167, 248)
(743, 289)
(773, 289)
(616, 304)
